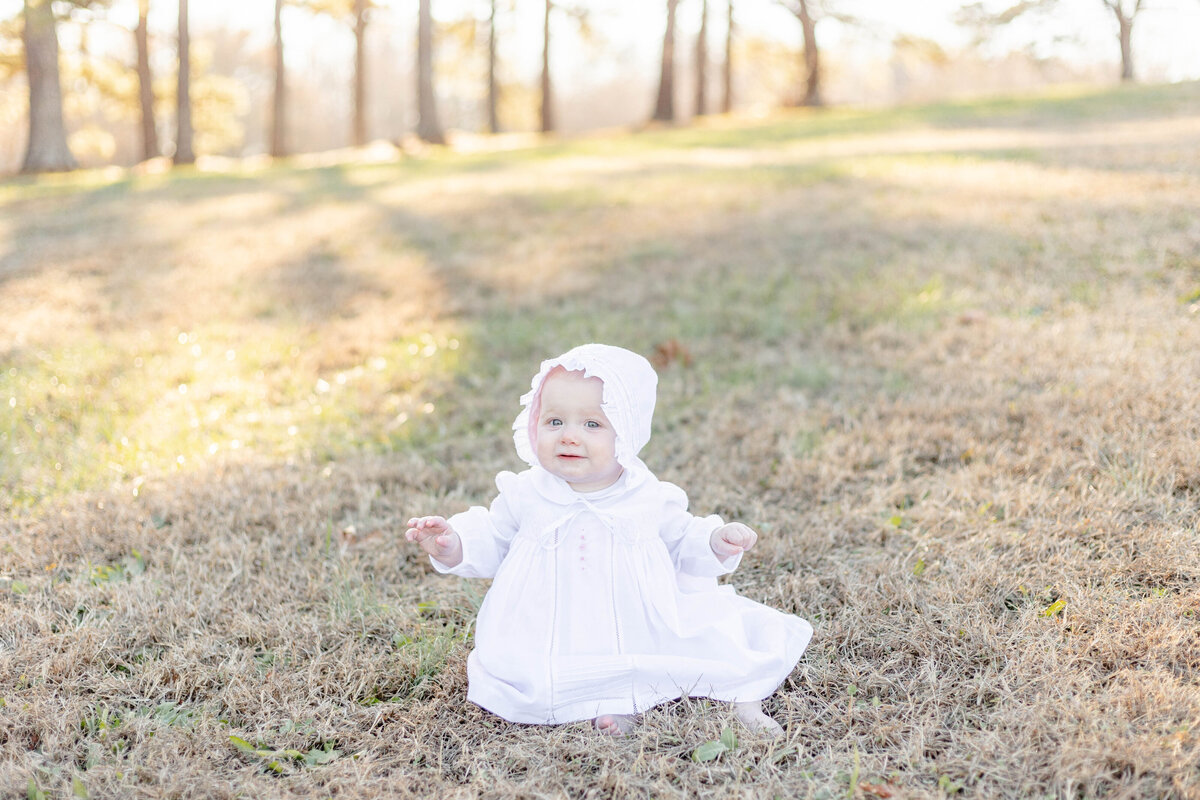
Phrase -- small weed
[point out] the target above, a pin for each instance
(101, 723)
(129, 568)
(711, 750)
(283, 761)
(174, 715)
(852, 790)
(296, 726)
(949, 786)
(424, 652)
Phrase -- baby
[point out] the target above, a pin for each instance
(604, 601)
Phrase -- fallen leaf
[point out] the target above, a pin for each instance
(1054, 608)
(668, 351)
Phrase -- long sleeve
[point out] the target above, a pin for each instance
(485, 533)
(687, 537)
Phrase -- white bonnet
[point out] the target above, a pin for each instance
(628, 400)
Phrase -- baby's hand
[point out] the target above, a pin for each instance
(729, 540)
(436, 537)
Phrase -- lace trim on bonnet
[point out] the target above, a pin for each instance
(628, 399)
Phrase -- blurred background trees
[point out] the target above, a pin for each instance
(578, 12)
(141, 36)
(428, 126)
(46, 148)
(985, 19)
(184, 152)
(355, 14)
(96, 82)
(664, 103)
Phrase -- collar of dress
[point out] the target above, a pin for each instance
(616, 506)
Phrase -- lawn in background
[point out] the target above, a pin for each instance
(943, 358)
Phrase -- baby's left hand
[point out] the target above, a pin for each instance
(732, 539)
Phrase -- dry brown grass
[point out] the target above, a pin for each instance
(949, 372)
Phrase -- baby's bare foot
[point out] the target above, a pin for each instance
(614, 724)
(752, 716)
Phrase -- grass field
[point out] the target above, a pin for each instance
(945, 359)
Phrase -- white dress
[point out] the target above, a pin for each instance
(607, 603)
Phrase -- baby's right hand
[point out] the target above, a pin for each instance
(436, 537)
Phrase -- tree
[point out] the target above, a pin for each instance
(727, 77)
(810, 13)
(465, 32)
(701, 106)
(1125, 13)
(577, 12)
(547, 105)
(984, 22)
(803, 9)
(358, 13)
(184, 154)
(428, 127)
(664, 104)
(279, 95)
(47, 149)
(360, 73)
(493, 93)
(141, 36)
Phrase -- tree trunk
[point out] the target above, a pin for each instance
(279, 98)
(664, 105)
(145, 82)
(428, 127)
(727, 96)
(183, 101)
(493, 93)
(812, 57)
(702, 62)
(47, 149)
(547, 92)
(1126, 34)
(359, 133)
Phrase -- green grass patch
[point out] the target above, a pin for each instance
(126, 408)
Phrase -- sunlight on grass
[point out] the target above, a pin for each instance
(184, 318)
(128, 408)
(156, 325)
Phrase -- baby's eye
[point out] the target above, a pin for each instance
(591, 423)
(554, 423)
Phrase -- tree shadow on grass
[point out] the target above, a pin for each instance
(768, 254)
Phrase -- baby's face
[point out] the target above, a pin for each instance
(575, 440)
